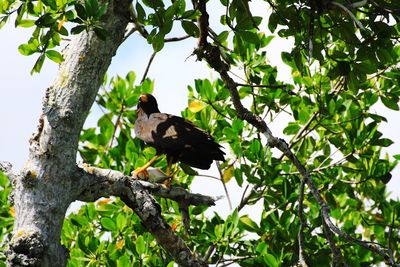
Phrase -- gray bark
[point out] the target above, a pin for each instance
(44, 188)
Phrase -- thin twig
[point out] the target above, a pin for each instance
(148, 67)
(176, 39)
(296, 138)
(224, 185)
(208, 176)
(117, 122)
(209, 252)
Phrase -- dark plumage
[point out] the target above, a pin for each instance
(174, 136)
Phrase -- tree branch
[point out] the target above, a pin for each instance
(97, 182)
(212, 55)
(148, 67)
(303, 225)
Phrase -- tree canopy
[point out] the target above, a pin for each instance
(322, 182)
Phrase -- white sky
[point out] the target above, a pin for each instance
(21, 96)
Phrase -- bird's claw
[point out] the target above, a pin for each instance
(167, 182)
(141, 173)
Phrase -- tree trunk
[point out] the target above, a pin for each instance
(45, 187)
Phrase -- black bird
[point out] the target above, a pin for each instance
(174, 136)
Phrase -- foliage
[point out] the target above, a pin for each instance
(6, 216)
(344, 62)
(107, 233)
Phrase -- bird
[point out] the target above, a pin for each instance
(179, 139)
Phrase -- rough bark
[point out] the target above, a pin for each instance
(44, 188)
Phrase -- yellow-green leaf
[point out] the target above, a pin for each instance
(228, 174)
(196, 106)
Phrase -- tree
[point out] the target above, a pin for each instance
(322, 184)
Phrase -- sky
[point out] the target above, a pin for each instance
(173, 69)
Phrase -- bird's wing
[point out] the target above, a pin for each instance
(169, 131)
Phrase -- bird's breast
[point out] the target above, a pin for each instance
(143, 130)
(146, 126)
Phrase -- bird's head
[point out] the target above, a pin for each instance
(147, 104)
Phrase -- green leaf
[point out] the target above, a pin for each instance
(141, 13)
(20, 13)
(238, 176)
(291, 129)
(273, 22)
(81, 11)
(140, 245)
(123, 261)
(190, 28)
(237, 126)
(121, 221)
(390, 103)
(91, 7)
(45, 21)
(101, 33)
(55, 56)
(249, 36)
(158, 42)
(78, 29)
(51, 3)
(271, 260)
(384, 142)
(223, 36)
(108, 224)
(248, 224)
(38, 64)
(27, 49)
(26, 23)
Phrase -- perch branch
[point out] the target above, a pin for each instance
(102, 182)
(97, 182)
